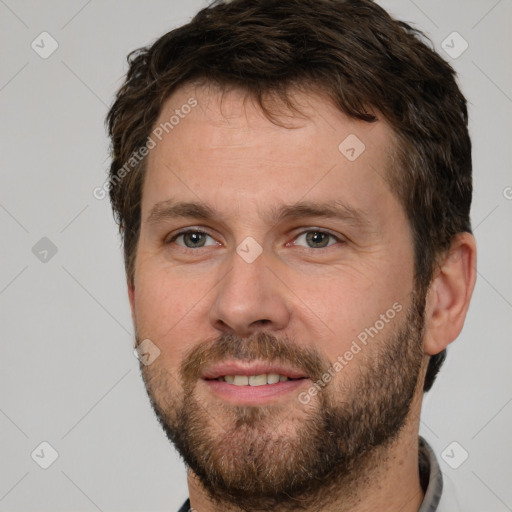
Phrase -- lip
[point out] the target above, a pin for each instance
(251, 368)
(253, 395)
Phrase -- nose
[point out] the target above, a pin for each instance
(250, 298)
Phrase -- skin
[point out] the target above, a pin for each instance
(227, 154)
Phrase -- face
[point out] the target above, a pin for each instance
(274, 272)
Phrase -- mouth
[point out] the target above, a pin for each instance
(252, 383)
(253, 380)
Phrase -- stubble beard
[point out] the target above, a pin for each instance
(272, 458)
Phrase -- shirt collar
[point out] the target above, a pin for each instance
(431, 477)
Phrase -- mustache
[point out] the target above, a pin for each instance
(260, 346)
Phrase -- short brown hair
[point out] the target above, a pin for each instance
(368, 63)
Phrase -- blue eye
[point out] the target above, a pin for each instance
(316, 239)
(193, 239)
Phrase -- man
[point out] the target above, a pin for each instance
(292, 181)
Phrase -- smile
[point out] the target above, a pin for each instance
(253, 380)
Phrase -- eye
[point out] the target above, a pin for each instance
(316, 239)
(193, 239)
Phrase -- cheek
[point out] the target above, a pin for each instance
(158, 307)
(345, 305)
(171, 307)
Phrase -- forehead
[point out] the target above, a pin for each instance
(219, 147)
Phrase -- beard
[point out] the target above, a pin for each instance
(281, 457)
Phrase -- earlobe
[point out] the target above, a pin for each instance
(449, 294)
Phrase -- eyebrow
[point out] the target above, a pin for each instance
(169, 209)
(166, 210)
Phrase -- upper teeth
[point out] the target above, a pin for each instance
(254, 380)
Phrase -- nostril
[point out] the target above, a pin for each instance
(261, 322)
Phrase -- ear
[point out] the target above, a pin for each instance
(449, 294)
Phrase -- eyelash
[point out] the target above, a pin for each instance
(187, 231)
(181, 233)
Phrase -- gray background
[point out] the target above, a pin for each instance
(67, 372)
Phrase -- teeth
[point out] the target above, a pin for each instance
(253, 380)
(241, 380)
(258, 380)
(272, 378)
